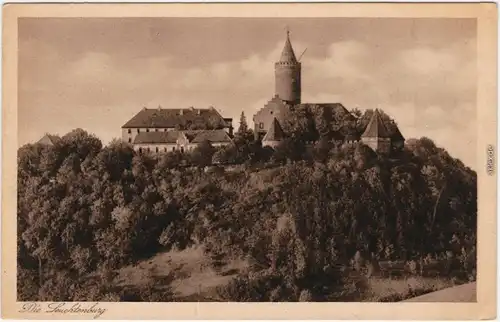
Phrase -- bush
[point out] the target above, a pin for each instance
(260, 287)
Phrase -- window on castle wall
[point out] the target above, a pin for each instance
(156, 130)
(261, 125)
(138, 130)
(165, 150)
(149, 150)
(140, 150)
(129, 131)
(156, 149)
(147, 130)
(129, 140)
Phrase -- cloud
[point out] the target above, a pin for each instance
(425, 61)
(343, 60)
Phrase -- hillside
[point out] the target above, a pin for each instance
(191, 277)
(295, 223)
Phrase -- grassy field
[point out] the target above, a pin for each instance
(188, 273)
(191, 278)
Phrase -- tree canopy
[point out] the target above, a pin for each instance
(294, 212)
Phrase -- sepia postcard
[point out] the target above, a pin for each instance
(249, 161)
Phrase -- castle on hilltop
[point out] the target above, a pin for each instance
(268, 121)
(166, 130)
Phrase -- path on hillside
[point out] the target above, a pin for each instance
(461, 293)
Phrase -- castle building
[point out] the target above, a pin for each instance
(287, 75)
(287, 72)
(182, 141)
(166, 130)
(277, 109)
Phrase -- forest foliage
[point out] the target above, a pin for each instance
(295, 213)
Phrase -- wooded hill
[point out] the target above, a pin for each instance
(295, 213)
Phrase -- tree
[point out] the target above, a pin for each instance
(222, 155)
(289, 149)
(322, 149)
(356, 112)
(243, 124)
(202, 154)
(300, 125)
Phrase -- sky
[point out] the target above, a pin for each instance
(97, 73)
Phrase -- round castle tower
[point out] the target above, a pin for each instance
(287, 75)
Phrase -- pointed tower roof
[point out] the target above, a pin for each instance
(275, 132)
(376, 127)
(287, 55)
(48, 139)
(397, 136)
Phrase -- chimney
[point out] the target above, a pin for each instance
(181, 111)
(198, 112)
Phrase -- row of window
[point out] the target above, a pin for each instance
(147, 130)
(158, 149)
(129, 131)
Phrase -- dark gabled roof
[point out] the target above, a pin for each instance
(171, 118)
(334, 107)
(49, 139)
(214, 136)
(275, 132)
(376, 127)
(287, 55)
(352, 136)
(157, 137)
